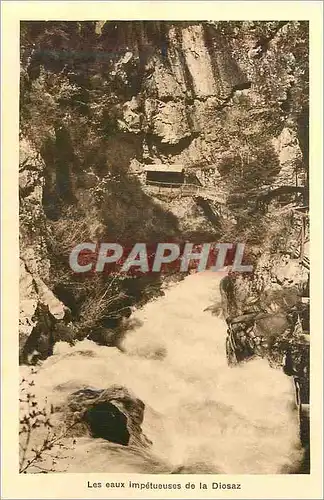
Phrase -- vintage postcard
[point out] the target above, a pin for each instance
(162, 250)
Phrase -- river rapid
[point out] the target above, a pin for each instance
(201, 415)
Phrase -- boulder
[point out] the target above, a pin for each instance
(113, 414)
(43, 318)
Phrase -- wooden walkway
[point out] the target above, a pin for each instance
(185, 190)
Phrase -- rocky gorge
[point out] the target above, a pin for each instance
(99, 102)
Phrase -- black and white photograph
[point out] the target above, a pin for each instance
(164, 248)
(161, 253)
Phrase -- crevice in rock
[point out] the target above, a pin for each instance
(40, 342)
(209, 211)
(167, 148)
(263, 43)
(60, 164)
(285, 105)
(107, 422)
(170, 98)
(241, 86)
(188, 79)
(65, 294)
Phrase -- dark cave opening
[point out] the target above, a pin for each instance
(107, 422)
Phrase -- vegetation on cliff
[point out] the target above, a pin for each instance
(97, 98)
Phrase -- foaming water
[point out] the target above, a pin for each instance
(198, 410)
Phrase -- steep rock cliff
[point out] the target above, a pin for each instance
(228, 100)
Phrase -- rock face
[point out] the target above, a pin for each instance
(176, 81)
(43, 319)
(227, 100)
(290, 155)
(40, 309)
(32, 219)
(113, 414)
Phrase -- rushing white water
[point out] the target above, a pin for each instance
(201, 415)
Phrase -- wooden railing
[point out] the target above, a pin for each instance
(296, 252)
(183, 190)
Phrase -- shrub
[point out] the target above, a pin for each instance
(35, 426)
